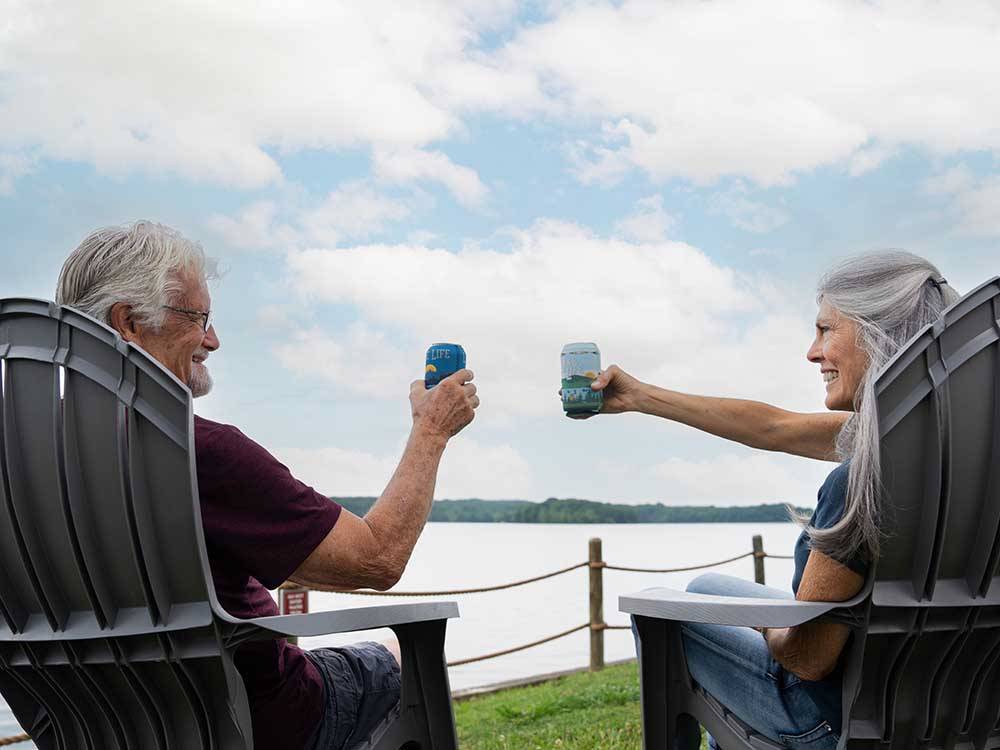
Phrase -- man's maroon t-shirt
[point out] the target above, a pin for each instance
(260, 524)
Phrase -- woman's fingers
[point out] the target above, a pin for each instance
(604, 377)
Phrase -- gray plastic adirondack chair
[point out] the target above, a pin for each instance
(922, 669)
(111, 637)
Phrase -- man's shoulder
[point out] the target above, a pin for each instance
(213, 438)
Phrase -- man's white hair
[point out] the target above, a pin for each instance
(139, 264)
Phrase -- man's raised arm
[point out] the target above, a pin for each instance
(372, 552)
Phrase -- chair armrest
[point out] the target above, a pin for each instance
(671, 604)
(358, 618)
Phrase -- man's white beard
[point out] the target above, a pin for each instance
(200, 382)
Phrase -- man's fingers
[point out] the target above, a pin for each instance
(475, 402)
(470, 389)
(416, 387)
(462, 376)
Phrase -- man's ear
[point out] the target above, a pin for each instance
(123, 321)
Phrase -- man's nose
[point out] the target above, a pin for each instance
(211, 340)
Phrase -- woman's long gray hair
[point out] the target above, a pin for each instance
(890, 295)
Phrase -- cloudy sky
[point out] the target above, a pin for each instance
(667, 179)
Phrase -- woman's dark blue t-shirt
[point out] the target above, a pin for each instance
(829, 509)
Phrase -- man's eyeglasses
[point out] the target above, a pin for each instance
(205, 316)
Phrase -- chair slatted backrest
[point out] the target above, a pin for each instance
(929, 673)
(107, 632)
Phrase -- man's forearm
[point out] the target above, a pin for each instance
(398, 516)
(751, 423)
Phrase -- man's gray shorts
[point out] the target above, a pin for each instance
(362, 687)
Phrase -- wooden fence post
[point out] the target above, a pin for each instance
(596, 605)
(758, 558)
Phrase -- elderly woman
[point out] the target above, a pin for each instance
(785, 682)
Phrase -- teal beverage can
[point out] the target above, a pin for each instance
(442, 360)
(581, 364)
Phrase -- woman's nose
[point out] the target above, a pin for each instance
(815, 352)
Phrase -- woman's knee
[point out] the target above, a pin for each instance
(708, 583)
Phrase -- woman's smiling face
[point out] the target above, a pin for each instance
(842, 363)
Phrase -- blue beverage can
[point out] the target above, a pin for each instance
(442, 361)
(581, 364)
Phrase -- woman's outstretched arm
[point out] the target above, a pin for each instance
(752, 423)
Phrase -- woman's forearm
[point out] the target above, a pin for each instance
(810, 651)
(752, 423)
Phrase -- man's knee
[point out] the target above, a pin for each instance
(392, 646)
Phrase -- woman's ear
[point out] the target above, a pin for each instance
(123, 322)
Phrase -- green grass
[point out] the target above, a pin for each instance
(586, 711)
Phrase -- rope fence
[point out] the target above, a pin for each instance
(458, 592)
(595, 625)
(597, 565)
(515, 649)
(680, 570)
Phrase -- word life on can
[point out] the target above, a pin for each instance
(442, 361)
(581, 363)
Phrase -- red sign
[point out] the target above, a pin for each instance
(293, 601)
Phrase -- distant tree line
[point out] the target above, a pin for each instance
(571, 510)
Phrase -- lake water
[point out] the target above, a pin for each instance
(455, 556)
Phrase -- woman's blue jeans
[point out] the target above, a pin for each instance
(734, 665)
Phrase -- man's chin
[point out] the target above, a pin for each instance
(200, 382)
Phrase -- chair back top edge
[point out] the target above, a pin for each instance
(938, 405)
(99, 501)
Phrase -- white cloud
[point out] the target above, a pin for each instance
(275, 317)
(867, 159)
(663, 310)
(353, 211)
(334, 358)
(974, 201)
(339, 471)
(741, 479)
(413, 165)
(469, 469)
(956, 179)
(746, 213)
(763, 90)
(979, 208)
(253, 227)
(223, 90)
(472, 468)
(649, 222)
(743, 88)
(603, 163)
(12, 167)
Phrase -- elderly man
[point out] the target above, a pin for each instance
(263, 526)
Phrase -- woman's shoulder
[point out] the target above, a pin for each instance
(831, 497)
(836, 480)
